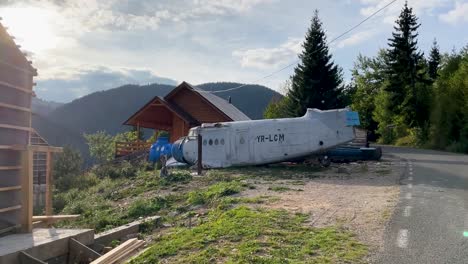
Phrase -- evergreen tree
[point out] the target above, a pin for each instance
(407, 74)
(434, 61)
(317, 81)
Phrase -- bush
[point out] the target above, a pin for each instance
(461, 147)
(114, 171)
(67, 166)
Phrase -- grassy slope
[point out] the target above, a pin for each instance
(208, 220)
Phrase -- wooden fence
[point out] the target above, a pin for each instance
(127, 148)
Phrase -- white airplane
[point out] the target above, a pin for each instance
(256, 142)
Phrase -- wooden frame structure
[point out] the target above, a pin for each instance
(16, 91)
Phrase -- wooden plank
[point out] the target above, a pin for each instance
(27, 71)
(39, 148)
(11, 208)
(199, 154)
(53, 217)
(25, 258)
(15, 107)
(10, 188)
(12, 147)
(105, 258)
(127, 252)
(15, 127)
(16, 87)
(9, 229)
(80, 253)
(27, 193)
(10, 167)
(48, 192)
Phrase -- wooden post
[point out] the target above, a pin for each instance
(27, 191)
(199, 160)
(138, 132)
(49, 183)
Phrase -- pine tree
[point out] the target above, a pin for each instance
(407, 72)
(434, 61)
(317, 81)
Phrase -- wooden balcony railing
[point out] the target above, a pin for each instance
(127, 148)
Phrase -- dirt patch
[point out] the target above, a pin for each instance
(358, 196)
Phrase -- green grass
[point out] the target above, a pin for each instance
(214, 192)
(210, 222)
(245, 235)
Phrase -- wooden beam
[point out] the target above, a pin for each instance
(27, 71)
(11, 208)
(107, 257)
(10, 167)
(80, 253)
(53, 217)
(16, 87)
(10, 188)
(39, 148)
(15, 107)
(12, 147)
(9, 229)
(25, 258)
(27, 191)
(48, 192)
(15, 127)
(199, 159)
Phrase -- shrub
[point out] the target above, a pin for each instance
(67, 166)
(114, 171)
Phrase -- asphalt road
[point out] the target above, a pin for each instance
(430, 222)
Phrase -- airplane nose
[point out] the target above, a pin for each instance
(178, 151)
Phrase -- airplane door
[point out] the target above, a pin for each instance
(242, 146)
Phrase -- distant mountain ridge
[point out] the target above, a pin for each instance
(107, 110)
(43, 107)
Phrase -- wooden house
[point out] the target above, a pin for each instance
(183, 108)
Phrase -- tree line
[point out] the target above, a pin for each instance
(403, 97)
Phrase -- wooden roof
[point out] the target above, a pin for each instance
(217, 102)
(156, 111)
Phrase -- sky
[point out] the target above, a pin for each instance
(84, 46)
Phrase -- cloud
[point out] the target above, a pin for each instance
(83, 82)
(91, 15)
(270, 58)
(357, 38)
(459, 13)
(390, 14)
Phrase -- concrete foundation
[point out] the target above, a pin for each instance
(42, 243)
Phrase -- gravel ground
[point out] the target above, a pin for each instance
(358, 196)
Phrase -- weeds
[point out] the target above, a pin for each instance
(214, 192)
(279, 188)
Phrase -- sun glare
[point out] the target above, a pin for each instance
(31, 27)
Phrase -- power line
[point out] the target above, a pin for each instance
(296, 61)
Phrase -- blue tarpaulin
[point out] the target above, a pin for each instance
(352, 118)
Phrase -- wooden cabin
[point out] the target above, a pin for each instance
(183, 108)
